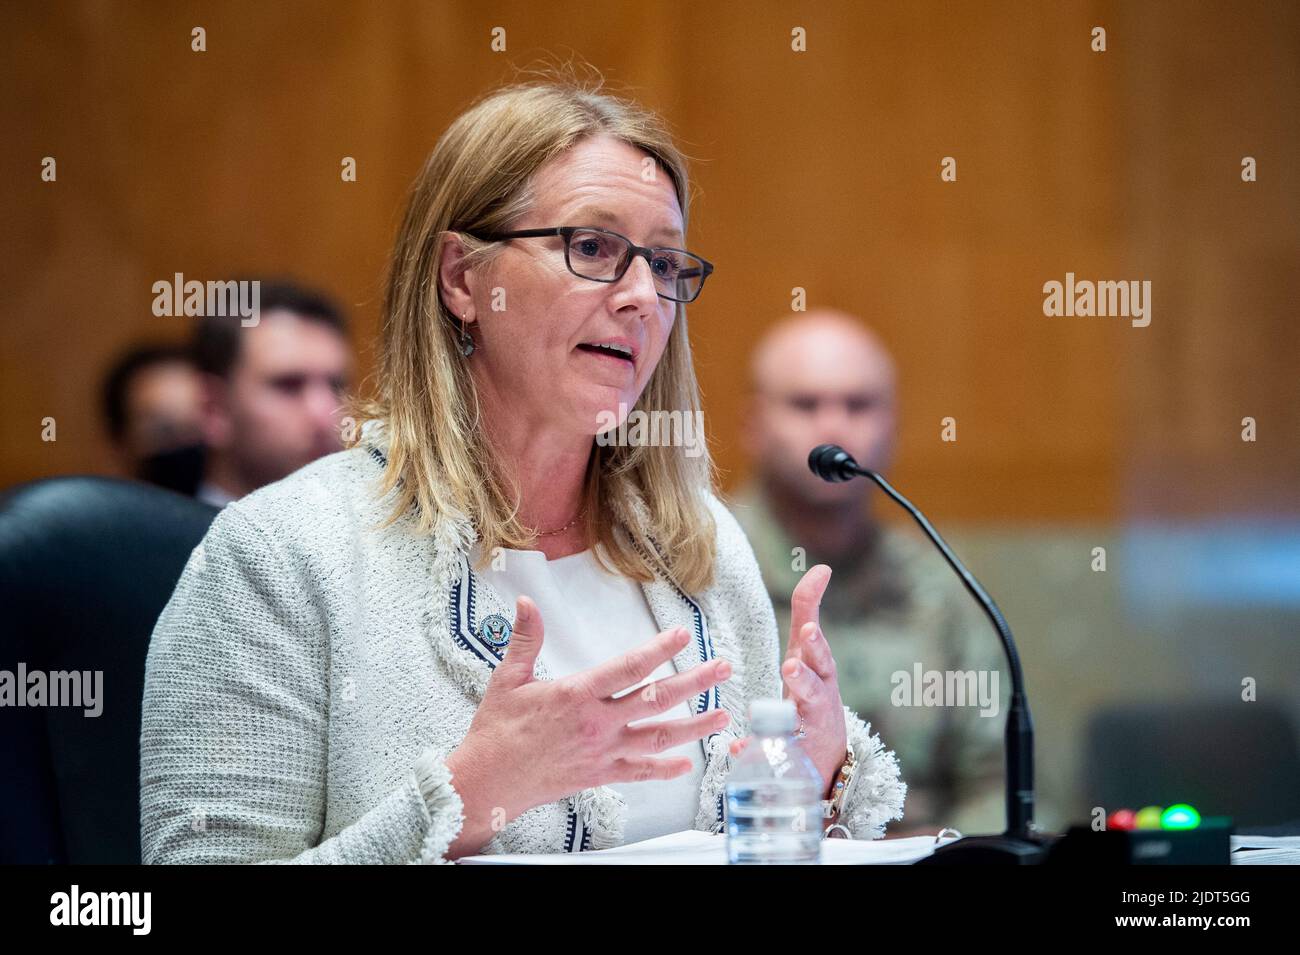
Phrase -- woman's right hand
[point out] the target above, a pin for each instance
(536, 741)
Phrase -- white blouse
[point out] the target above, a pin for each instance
(590, 615)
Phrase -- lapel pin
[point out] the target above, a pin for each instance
(494, 630)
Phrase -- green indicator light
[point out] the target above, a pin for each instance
(1180, 816)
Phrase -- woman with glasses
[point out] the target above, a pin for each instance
(480, 629)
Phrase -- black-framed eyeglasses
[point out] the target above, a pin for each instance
(604, 256)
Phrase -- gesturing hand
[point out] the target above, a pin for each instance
(535, 741)
(809, 678)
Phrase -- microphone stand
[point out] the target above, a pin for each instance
(1020, 844)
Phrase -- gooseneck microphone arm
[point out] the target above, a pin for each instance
(832, 463)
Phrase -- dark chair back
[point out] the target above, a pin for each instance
(86, 566)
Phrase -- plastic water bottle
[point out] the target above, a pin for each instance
(774, 804)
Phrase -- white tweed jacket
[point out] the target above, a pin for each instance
(311, 672)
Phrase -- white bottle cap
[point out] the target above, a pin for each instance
(772, 717)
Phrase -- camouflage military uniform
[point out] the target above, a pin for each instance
(895, 604)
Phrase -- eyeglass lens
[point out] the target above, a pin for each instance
(600, 255)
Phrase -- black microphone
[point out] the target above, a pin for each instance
(1021, 843)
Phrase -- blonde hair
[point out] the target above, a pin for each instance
(478, 178)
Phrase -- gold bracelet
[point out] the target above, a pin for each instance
(839, 789)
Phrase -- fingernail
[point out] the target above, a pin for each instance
(723, 669)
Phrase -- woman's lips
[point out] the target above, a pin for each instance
(605, 356)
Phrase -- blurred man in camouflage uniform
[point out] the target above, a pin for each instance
(892, 601)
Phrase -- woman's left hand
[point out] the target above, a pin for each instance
(808, 675)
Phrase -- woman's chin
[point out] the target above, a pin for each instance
(606, 410)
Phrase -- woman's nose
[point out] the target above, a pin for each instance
(639, 280)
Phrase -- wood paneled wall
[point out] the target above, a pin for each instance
(818, 170)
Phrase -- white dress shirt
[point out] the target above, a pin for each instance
(589, 616)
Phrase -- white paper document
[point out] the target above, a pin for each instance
(1265, 850)
(696, 847)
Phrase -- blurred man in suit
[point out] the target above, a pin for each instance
(273, 391)
(892, 601)
(152, 406)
